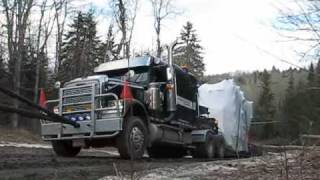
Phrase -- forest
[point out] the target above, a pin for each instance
(44, 41)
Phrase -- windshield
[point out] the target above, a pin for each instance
(140, 76)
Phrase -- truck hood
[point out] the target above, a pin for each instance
(89, 79)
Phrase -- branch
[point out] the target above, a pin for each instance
(308, 20)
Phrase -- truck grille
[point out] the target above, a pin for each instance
(73, 97)
(69, 100)
(77, 91)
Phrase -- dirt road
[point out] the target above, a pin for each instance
(32, 162)
(41, 163)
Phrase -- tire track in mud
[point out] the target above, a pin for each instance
(42, 163)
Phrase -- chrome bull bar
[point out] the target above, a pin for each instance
(104, 121)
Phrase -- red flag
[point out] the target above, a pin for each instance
(42, 99)
(126, 91)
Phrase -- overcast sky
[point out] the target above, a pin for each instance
(232, 32)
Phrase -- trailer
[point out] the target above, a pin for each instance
(233, 112)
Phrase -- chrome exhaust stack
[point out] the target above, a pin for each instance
(172, 89)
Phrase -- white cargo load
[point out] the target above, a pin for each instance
(233, 112)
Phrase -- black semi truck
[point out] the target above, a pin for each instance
(135, 105)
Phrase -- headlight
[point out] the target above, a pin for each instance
(80, 118)
(112, 103)
(56, 110)
(88, 117)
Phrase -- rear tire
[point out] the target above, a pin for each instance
(132, 141)
(65, 148)
(220, 151)
(206, 149)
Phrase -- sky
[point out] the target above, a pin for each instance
(235, 34)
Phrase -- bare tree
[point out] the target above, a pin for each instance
(61, 13)
(125, 13)
(44, 31)
(132, 19)
(301, 22)
(162, 9)
(17, 14)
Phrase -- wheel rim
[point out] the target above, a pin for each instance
(136, 139)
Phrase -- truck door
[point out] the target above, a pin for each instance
(186, 95)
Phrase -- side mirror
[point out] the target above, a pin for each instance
(169, 74)
(57, 84)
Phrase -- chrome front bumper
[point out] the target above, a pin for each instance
(104, 128)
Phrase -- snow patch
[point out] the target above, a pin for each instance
(24, 145)
(44, 146)
(184, 172)
(111, 178)
(113, 153)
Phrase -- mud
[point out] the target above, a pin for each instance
(42, 163)
(39, 162)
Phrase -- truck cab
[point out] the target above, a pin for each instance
(139, 104)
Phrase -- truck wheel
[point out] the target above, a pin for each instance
(65, 148)
(205, 150)
(166, 152)
(132, 141)
(220, 151)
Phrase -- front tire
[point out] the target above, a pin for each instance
(65, 148)
(132, 141)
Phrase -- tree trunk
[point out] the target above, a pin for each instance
(158, 30)
(158, 46)
(17, 15)
(59, 5)
(37, 78)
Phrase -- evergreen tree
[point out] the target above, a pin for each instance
(290, 89)
(317, 73)
(299, 107)
(265, 107)
(313, 95)
(316, 99)
(2, 52)
(274, 69)
(190, 53)
(289, 106)
(80, 50)
(311, 73)
(1, 64)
